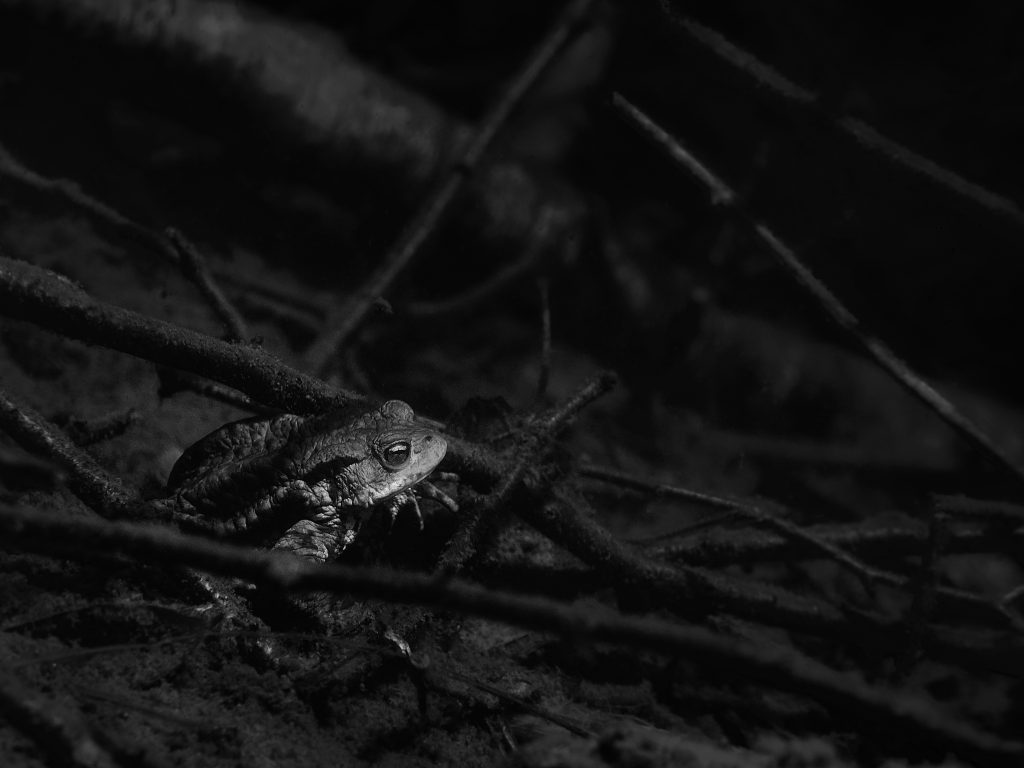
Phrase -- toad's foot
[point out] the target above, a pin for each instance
(318, 541)
(431, 491)
(401, 501)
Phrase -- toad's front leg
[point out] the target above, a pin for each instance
(320, 538)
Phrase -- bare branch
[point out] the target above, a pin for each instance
(347, 318)
(875, 349)
(31, 293)
(84, 433)
(194, 265)
(1003, 511)
(769, 81)
(171, 245)
(545, 338)
(88, 480)
(173, 381)
(723, 547)
(72, 193)
(499, 281)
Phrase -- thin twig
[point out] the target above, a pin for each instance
(769, 81)
(827, 455)
(1003, 511)
(925, 593)
(483, 516)
(194, 724)
(885, 358)
(561, 416)
(724, 547)
(506, 277)
(754, 512)
(309, 303)
(777, 666)
(170, 245)
(85, 432)
(517, 701)
(472, 297)
(569, 521)
(343, 322)
(195, 268)
(173, 381)
(28, 292)
(545, 338)
(72, 193)
(165, 613)
(288, 317)
(1008, 600)
(88, 480)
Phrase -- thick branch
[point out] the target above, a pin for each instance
(28, 292)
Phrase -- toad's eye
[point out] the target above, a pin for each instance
(396, 454)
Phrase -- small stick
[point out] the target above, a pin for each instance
(718, 548)
(85, 432)
(170, 245)
(472, 297)
(996, 510)
(504, 278)
(876, 350)
(99, 490)
(479, 521)
(173, 381)
(769, 81)
(558, 418)
(281, 313)
(344, 321)
(869, 575)
(752, 512)
(545, 338)
(517, 701)
(250, 284)
(72, 193)
(195, 268)
(925, 591)
(1007, 601)
(827, 455)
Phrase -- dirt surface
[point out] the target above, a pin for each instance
(731, 381)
